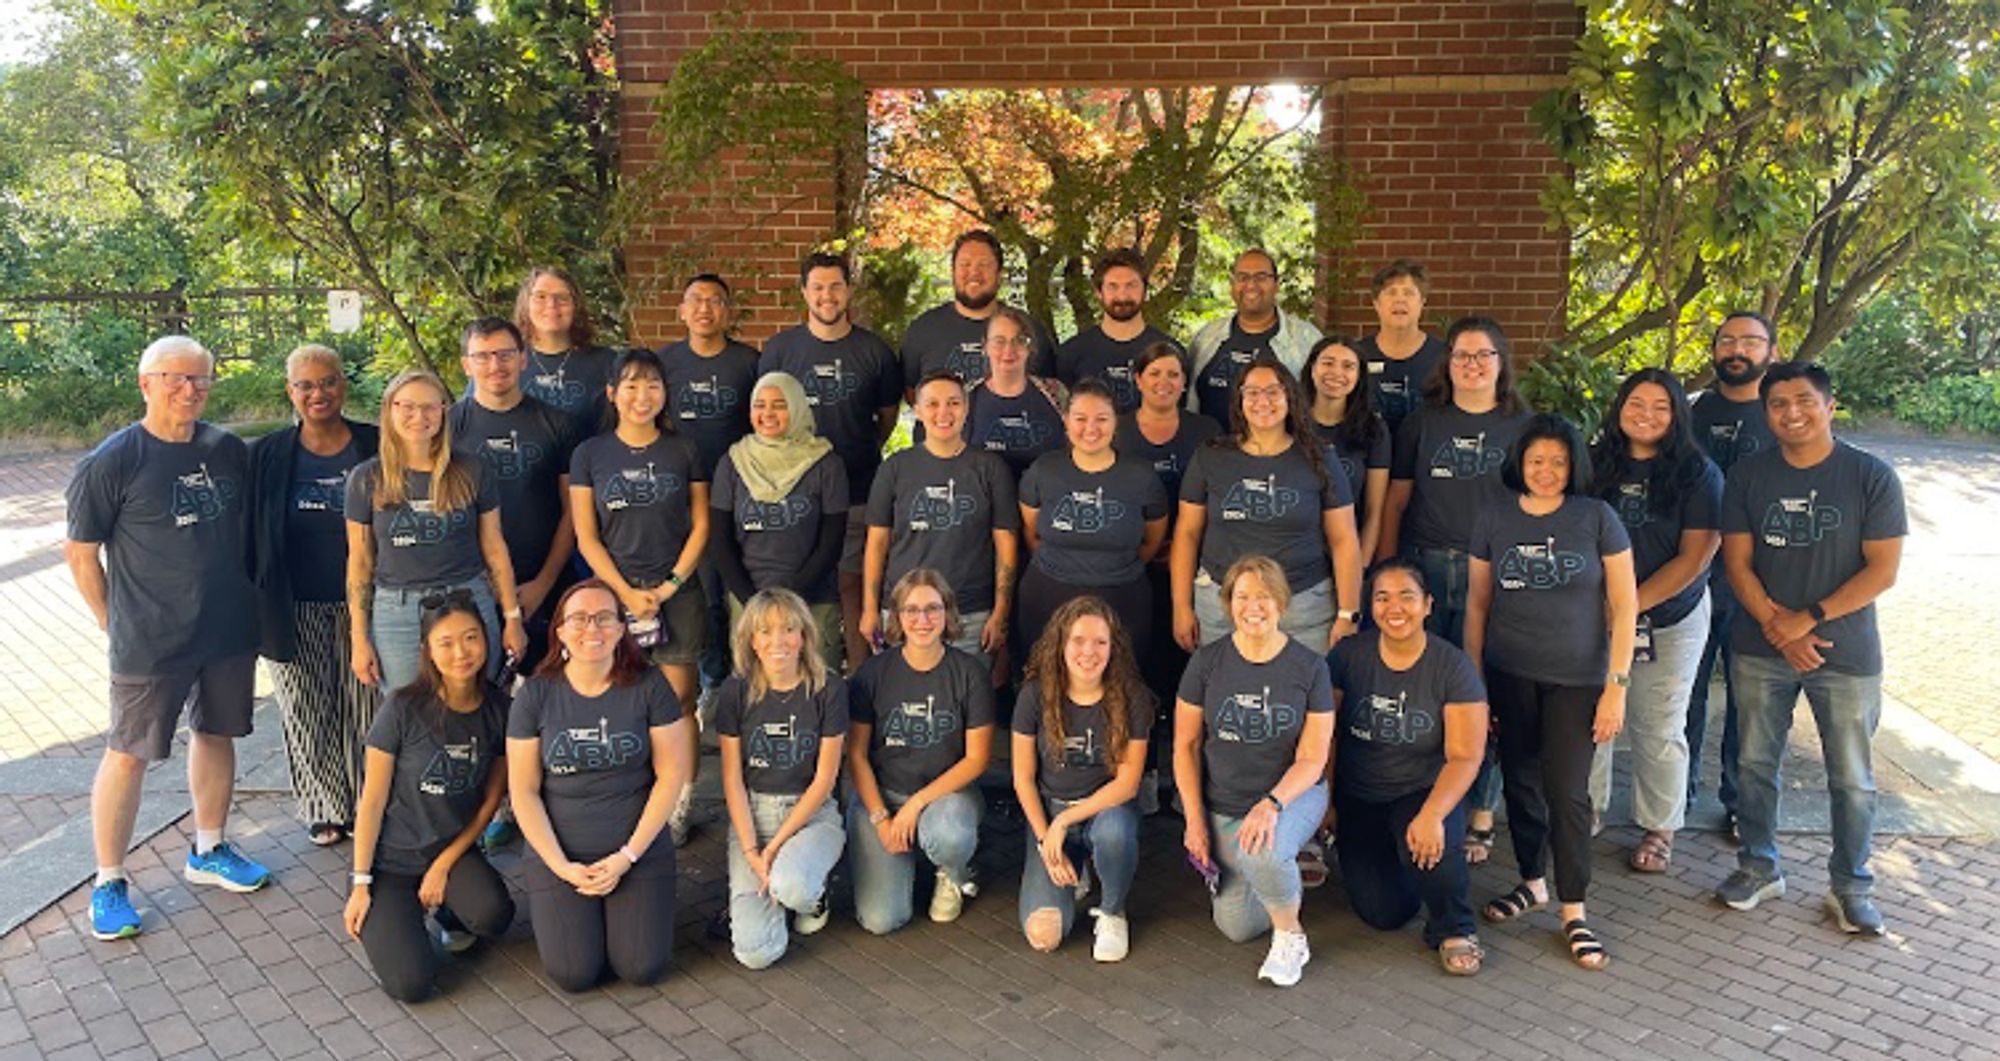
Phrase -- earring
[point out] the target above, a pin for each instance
(565, 652)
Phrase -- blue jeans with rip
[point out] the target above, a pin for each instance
(1110, 839)
(1846, 708)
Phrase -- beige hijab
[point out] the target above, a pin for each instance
(771, 467)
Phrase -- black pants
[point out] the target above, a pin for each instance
(395, 937)
(1545, 753)
(1384, 886)
(1161, 661)
(1040, 594)
(630, 931)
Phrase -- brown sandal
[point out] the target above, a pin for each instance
(1456, 950)
(1654, 854)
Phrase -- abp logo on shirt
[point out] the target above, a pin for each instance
(1251, 718)
(1258, 500)
(1466, 457)
(1086, 512)
(708, 399)
(512, 457)
(755, 515)
(918, 724)
(939, 508)
(200, 497)
(1792, 522)
(1538, 565)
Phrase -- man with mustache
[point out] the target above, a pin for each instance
(1110, 350)
(952, 336)
(1729, 423)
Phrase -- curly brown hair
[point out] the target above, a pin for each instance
(1124, 692)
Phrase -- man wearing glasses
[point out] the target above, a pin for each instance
(1226, 345)
(1730, 424)
(157, 544)
(528, 442)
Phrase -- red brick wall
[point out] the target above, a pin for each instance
(1427, 103)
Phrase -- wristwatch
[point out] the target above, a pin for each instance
(513, 614)
(1621, 679)
(1818, 613)
(878, 817)
(1347, 616)
(673, 578)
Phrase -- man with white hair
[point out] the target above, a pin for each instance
(157, 534)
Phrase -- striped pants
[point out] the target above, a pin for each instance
(327, 712)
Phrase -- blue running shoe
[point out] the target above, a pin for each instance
(499, 833)
(223, 866)
(111, 913)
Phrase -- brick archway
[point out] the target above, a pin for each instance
(1428, 104)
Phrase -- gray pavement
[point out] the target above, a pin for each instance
(272, 975)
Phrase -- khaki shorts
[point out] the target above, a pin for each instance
(146, 708)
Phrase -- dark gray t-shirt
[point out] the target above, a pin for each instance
(316, 524)
(1547, 620)
(173, 520)
(1169, 460)
(573, 382)
(1267, 506)
(1019, 428)
(1399, 385)
(597, 759)
(942, 513)
(1728, 431)
(848, 382)
(1356, 459)
(1656, 535)
(1452, 459)
(1218, 376)
(1808, 526)
(1092, 353)
(943, 338)
(1252, 716)
(644, 507)
(776, 537)
(528, 448)
(709, 397)
(1389, 740)
(919, 718)
(1083, 764)
(414, 544)
(440, 774)
(1091, 524)
(781, 732)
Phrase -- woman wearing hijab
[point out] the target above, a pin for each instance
(781, 495)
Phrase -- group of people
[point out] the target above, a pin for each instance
(525, 604)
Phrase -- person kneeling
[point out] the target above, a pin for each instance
(783, 721)
(1411, 734)
(428, 790)
(1079, 748)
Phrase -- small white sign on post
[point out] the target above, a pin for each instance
(343, 312)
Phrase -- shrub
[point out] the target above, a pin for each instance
(1948, 403)
(1578, 387)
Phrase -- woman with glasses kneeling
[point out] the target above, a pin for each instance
(1080, 729)
(430, 787)
(1411, 735)
(595, 749)
(1252, 728)
(922, 728)
(783, 718)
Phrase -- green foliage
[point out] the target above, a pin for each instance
(425, 151)
(77, 376)
(1950, 404)
(1570, 381)
(1796, 157)
(893, 291)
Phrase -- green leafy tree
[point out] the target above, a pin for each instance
(1796, 157)
(425, 151)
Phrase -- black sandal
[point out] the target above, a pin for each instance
(1585, 948)
(326, 834)
(1512, 905)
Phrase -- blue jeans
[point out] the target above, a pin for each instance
(1254, 885)
(1111, 841)
(947, 834)
(757, 929)
(1721, 617)
(395, 627)
(1447, 573)
(1846, 707)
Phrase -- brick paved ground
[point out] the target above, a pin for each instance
(219, 975)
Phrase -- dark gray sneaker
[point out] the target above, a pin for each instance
(1744, 890)
(1856, 915)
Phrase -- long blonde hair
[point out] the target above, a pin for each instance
(452, 484)
(794, 613)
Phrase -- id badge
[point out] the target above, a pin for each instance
(648, 633)
(1642, 641)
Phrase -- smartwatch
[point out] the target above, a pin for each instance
(1818, 613)
(1347, 616)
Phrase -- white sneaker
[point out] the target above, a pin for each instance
(1287, 958)
(678, 825)
(947, 901)
(811, 921)
(456, 940)
(1114, 937)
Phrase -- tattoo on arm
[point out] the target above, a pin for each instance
(1003, 581)
(361, 599)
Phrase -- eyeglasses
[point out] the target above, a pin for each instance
(481, 357)
(605, 620)
(315, 386)
(704, 302)
(1018, 342)
(425, 409)
(921, 611)
(1747, 342)
(437, 602)
(1469, 358)
(544, 298)
(200, 381)
(1263, 394)
(1262, 276)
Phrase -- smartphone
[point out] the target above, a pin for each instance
(1642, 641)
(1210, 875)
